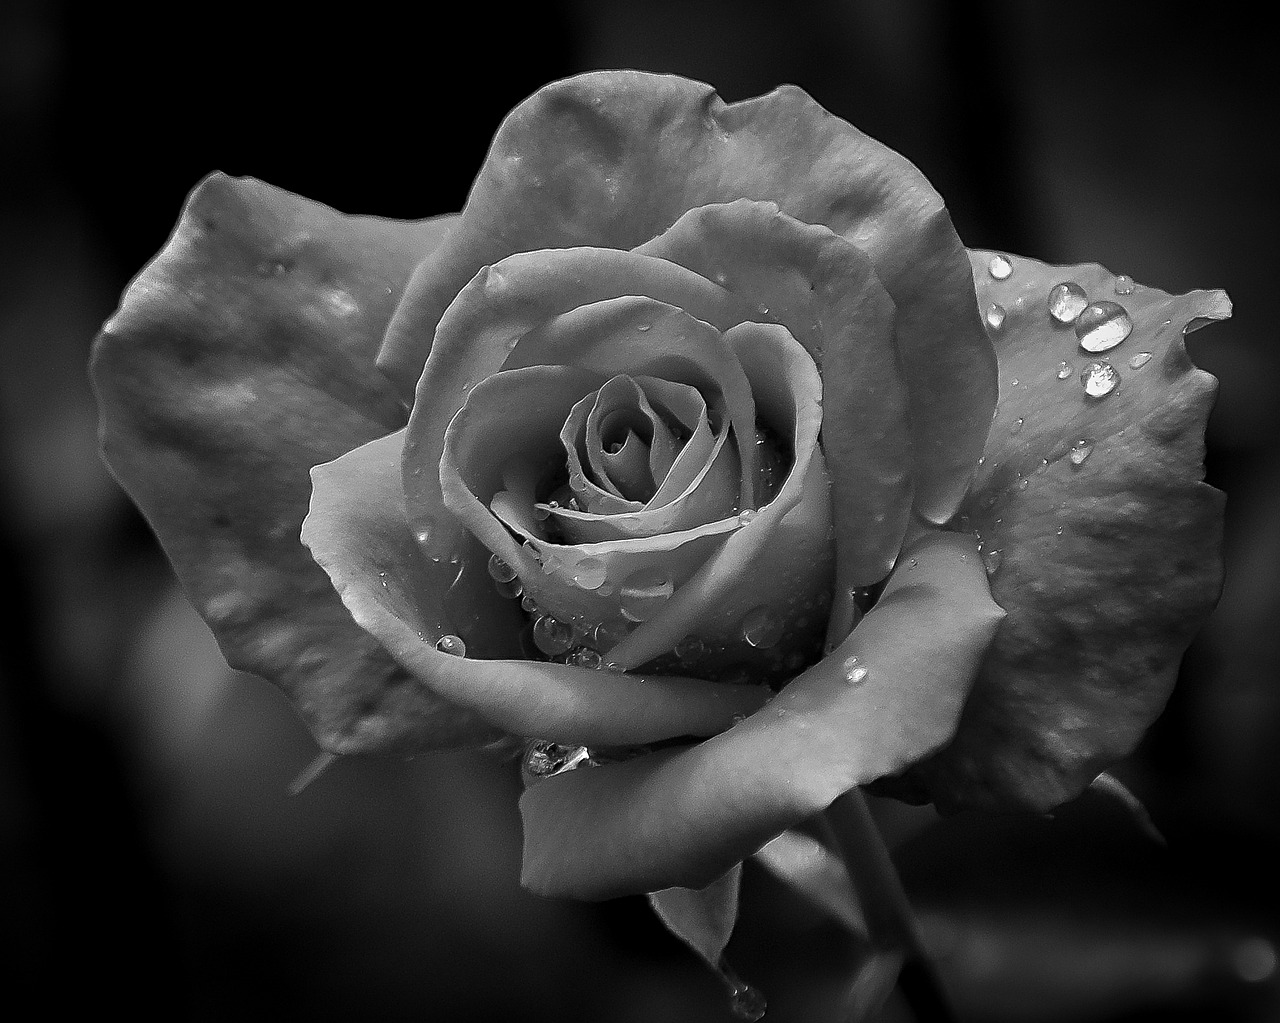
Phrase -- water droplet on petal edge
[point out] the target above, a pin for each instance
(1000, 267)
(995, 316)
(453, 645)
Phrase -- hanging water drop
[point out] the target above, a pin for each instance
(1081, 450)
(995, 316)
(551, 635)
(1000, 267)
(1124, 285)
(1064, 370)
(1099, 379)
(1102, 326)
(1066, 302)
(1139, 360)
(589, 573)
(544, 759)
(761, 627)
(452, 645)
(643, 593)
(746, 1002)
(499, 570)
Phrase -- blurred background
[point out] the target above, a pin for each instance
(151, 858)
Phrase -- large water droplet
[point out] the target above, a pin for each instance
(1102, 326)
(643, 593)
(1124, 285)
(500, 570)
(746, 1002)
(1099, 379)
(1000, 267)
(545, 759)
(1139, 360)
(761, 627)
(589, 573)
(551, 635)
(452, 645)
(1064, 370)
(995, 316)
(1067, 301)
(1081, 450)
(510, 589)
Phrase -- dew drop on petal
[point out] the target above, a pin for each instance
(607, 635)
(552, 636)
(510, 589)
(589, 573)
(499, 570)
(644, 326)
(1124, 285)
(690, 649)
(1067, 301)
(991, 561)
(746, 515)
(1017, 426)
(1102, 326)
(643, 593)
(854, 672)
(527, 603)
(761, 627)
(585, 657)
(545, 759)
(1081, 450)
(1064, 370)
(995, 316)
(1099, 379)
(1000, 267)
(452, 645)
(1139, 360)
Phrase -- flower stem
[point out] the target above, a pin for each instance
(890, 921)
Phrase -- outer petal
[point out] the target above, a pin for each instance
(240, 357)
(614, 158)
(682, 817)
(358, 532)
(1108, 564)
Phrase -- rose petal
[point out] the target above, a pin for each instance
(614, 158)
(358, 532)
(490, 315)
(682, 817)
(240, 357)
(1108, 563)
(703, 918)
(824, 290)
(781, 557)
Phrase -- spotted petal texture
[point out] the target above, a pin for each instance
(1108, 541)
(240, 357)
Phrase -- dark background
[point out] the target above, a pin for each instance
(150, 858)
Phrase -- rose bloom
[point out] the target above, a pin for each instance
(696, 458)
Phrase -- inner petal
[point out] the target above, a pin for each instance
(628, 445)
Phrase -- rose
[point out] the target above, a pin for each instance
(244, 355)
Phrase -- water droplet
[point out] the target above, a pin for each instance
(500, 570)
(690, 649)
(1067, 301)
(545, 759)
(551, 635)
(589, 573)
(995, 316)
(585, 657)
(1139, 360)
(1124, 285)
(643, 593)
(1102, 326)
(528, 604)
(510, 589)
(1000, 267)
(452, 645)
(746, 515)
(1081, 450)
(991, 561)
(1017, 426)
(644, 326)
(1013, 382)
(607, 635)
(854, 673)
(747, 1003)
(615, 667)
(1064, 370)
(1099, 379)
(761, 627)
(425, 532)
